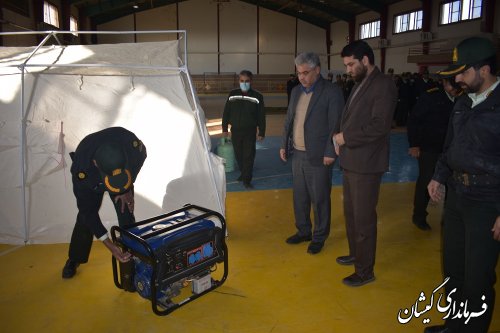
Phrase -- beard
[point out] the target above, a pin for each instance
(361, 74)
(472, 87)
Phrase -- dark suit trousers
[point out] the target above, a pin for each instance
(361, 193)
(244, 151)
(426, 164)
(470, 255)
(82, 236)
(311, 187)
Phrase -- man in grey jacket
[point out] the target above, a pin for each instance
(313, 113)
(362, 143)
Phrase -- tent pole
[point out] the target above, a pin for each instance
(23, 136)
(23, 156)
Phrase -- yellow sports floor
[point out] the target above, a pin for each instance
(271, 286)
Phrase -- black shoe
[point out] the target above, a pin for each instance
(315, 247)
(355, 280)
(437, 329)
(296, 239)
(69, 269)
(422, 225)
(248, 186)
(346, 260)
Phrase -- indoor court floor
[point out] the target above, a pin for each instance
(271, 286)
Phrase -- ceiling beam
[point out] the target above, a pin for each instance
(344, 16)
(290, 12)
(122, 7)
(374, 5)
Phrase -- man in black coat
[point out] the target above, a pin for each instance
(470, 166)
(105, 161)
(427, 127)
(244, 111)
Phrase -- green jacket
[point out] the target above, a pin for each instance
(244, 112)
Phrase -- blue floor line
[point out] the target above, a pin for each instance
(272, 173)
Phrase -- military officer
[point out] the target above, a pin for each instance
(105, 161)
(427, 128)
(470, 166)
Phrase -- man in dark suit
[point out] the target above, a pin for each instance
(362, 143)
(313, 113)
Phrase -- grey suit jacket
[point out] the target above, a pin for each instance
(322, 117)
(366, 125)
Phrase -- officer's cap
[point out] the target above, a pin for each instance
(469, 52)
(112, 164)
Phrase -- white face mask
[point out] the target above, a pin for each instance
(245, 86)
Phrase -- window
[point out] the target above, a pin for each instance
(461, 10)
(73, 24)
(408, 22)
(369, 30)
(50, 14)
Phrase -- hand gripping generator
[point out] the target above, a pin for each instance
(170, 253)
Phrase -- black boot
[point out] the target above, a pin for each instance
(69, 269)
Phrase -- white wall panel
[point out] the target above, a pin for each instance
(310, 38)
(125, 23)
(395, 57)
(238, 28)
(238, 37)
(161, 18)
(277, 42)
(339, 36)
(277, 64)
(234, 63)
(199, 19)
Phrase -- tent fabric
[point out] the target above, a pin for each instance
(146, 89)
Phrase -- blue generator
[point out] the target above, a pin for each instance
(170, 253)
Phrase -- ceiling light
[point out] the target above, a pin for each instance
(135, 6)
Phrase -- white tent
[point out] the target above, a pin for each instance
(53, 96)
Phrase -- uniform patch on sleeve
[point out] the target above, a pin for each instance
(81, 175)
(137, 144)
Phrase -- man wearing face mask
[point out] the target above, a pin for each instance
(244, 111)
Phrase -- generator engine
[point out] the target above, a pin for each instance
(170, 253)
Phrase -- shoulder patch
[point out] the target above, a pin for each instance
(433, 90)
(81, 175)
(137, 144)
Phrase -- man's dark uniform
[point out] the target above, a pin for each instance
(470, 166)
(89, 189)
(427, 128)
(245, 112)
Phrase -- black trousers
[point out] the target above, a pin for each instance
(312, 186)
(82, 236)
(426, 164)
(470, 255)
(361, 192)
(244, 151)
